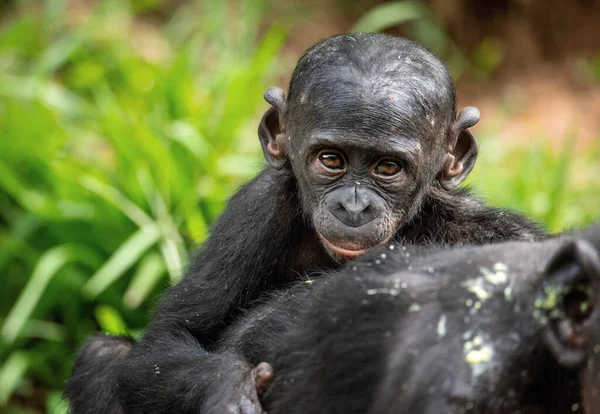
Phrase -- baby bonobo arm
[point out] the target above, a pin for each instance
(173, 368)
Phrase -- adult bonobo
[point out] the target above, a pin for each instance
(366, 148)
(508, 328)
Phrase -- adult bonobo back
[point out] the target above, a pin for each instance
(366, 149)
(513, 327)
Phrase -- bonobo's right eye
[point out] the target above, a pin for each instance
(331, 160)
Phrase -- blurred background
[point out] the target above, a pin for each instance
(126, 124)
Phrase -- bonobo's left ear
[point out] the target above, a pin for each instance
(270, 130)
(571, 303)
(461, 149)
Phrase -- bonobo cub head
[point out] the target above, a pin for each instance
(369, 124)
(509, 328)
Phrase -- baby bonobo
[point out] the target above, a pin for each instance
(366, 148)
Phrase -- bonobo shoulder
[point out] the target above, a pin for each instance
(502, 224)
(458, 217)
(256, 200)
(268, 182)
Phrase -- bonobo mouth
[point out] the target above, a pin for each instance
(349, 250)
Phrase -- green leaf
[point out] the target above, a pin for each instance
(56, 55)
(22, 34)
(49, 331)
(118, 199)
(121, 260)
(12, 373)
(22, 228)
(50, 263)
(189, 136)
(388, 15)
(171, 244)
(110, 320)
(149, 272)
(57, 404)
(560, 177)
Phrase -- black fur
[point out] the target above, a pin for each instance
(96, 365)
(377, 337)
(368, 98)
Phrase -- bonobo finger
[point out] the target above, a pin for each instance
(263, 374)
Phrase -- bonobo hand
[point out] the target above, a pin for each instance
(263, 374)
(260, 378)
(242, 396)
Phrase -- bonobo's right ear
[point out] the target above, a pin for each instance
(270, 130)
(461, 149)
(571, 303)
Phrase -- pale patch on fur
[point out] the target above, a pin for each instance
(479, 354)
(478, 288)
(497, 276)
(441, 326)
(415, 307)
(384, 291)
(484, 286)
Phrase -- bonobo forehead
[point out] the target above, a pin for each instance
(371, 82)
(365, 114)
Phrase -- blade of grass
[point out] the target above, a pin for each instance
(121, 260)
(148, 274)
(560, 177)
(50, 263)
(56, 404)
(11, 374)
(387, 15)
(110, 321)
(14, 244)
(171, 245)
(49, 331)
(30, 199)
(118, 199)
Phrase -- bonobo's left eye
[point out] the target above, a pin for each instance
(387, 168)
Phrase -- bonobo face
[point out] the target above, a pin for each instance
(362, 163)
(368, 126)
(515, 328)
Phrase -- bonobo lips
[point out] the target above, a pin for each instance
(348, 250)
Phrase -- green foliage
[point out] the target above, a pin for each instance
(487, 57)
(119, 143)
(556, 186)
(588, 70)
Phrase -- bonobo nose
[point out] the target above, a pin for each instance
(355, 208)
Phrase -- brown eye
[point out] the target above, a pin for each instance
(387, 168)
(332, 160)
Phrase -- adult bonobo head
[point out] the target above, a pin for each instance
(369, 124)
(513, 327)
(504, 328)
